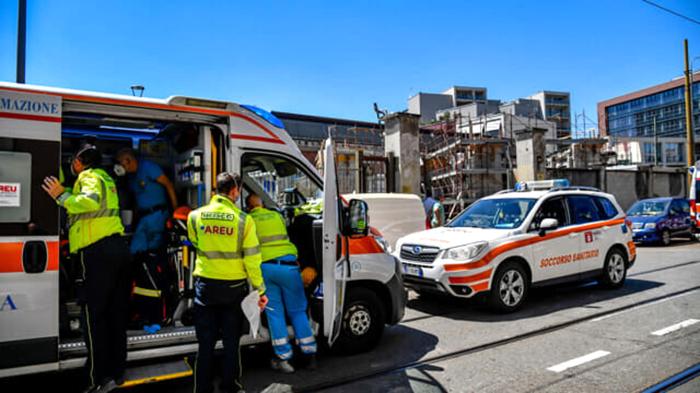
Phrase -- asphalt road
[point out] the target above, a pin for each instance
(568, 338)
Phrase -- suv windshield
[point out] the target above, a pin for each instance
(494, 213)
(648, 208)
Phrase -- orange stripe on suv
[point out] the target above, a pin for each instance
(496, 251)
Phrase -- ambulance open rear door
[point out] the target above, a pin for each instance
(334, 265)
(30, 138)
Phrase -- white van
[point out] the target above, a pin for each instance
(360, 287)
(394, 215)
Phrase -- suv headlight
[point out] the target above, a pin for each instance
(650, 225)
(464, 253)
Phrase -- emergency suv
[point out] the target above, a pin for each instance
(358, 288)
(542, 233)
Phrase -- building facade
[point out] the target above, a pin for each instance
(556, 107)
(648, 126)
(359, 148)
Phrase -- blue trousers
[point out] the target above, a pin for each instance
(149, 232)
(285, 293)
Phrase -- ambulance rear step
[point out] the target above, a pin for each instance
(156, 372)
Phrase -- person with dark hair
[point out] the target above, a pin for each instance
(284, 287)
(154, 194)
(96, 235)
(228, 257)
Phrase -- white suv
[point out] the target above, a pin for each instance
(505, 243)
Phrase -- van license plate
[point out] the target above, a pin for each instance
(413, 270)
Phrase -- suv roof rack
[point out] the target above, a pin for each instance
(575, 188)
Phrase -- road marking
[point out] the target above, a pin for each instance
(578, 361)
(673, 328)
(644, 305)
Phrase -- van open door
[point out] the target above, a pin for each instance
(334, 266)
(30, 146)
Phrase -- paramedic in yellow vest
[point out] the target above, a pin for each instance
(284, 287)
(96, 236)
(228, 258)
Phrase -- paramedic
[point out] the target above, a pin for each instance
(228, 256)
(284, 286)
(96, 235)
(152, 192)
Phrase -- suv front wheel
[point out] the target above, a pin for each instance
(509, 288)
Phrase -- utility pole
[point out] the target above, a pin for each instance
(584, 122)
(690, 142)
(21, 39)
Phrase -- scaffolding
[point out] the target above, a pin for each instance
(463, 166)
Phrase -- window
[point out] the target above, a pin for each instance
(276, 177)
(606, 208)
(583, 209)
(680, 207)
(494, 213)
(551, 208)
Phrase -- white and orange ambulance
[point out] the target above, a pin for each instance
(694, 199)
(506, 243)
(359, 287)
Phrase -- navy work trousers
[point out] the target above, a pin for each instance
(104, 296)
(218, 314)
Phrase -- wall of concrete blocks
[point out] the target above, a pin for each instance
(628, 186)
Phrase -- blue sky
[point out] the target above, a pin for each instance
(337, 58)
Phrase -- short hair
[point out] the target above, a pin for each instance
(225, 181)
(250, 197)
(126, 152)
(88, 155)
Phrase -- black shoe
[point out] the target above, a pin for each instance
(311, 362)
(107, 386)
(282, 366)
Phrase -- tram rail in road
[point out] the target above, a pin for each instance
(494, 344)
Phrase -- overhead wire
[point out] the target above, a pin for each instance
(678, 14)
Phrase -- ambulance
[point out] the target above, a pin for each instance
(694, 199)
(359, 288)
(543, 232)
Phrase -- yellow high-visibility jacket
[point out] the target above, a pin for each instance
(226, 244)
(93, 209)
(272, 234)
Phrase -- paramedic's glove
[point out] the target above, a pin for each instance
(308, 275)
(262, 303)
(53, 187)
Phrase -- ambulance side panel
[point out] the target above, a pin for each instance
(30, 132)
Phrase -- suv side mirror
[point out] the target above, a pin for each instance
(358, 219)
(548, 224)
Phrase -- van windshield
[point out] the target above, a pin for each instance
(503, 213)
(648, 208)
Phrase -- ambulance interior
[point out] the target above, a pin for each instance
(183, 150)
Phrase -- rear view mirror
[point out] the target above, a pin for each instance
(548, 224)
(358, 219)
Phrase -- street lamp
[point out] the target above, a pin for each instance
(137, 88)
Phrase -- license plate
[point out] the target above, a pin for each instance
(413, 270)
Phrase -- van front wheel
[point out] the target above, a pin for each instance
(363, 321)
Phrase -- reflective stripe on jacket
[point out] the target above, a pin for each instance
(93, 209)
(226, 243)
(272, 234)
